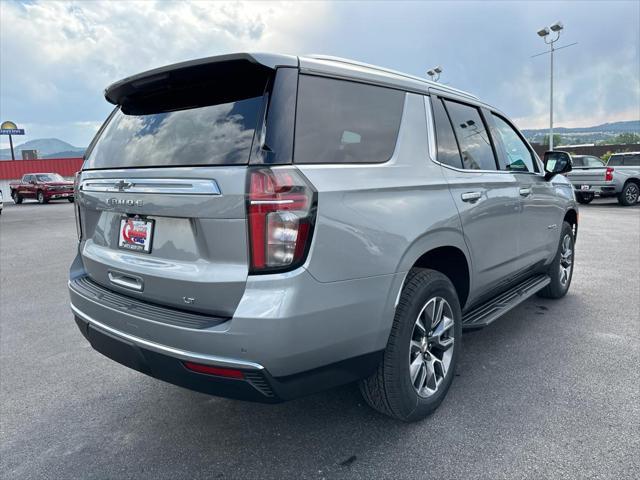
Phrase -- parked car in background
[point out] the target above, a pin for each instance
(619, 177)
(587, 177)
(41, 186)
(318, 221)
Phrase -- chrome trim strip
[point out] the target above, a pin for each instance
(180, 186)
(270, 202)
(431, 130)
(166, 350)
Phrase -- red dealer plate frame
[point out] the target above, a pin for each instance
(136, 234)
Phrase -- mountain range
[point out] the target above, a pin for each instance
(595, 134)
(46, 147)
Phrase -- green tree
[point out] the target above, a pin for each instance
(625, 138)
(556, 140)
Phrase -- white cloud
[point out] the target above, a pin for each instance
(57, 57)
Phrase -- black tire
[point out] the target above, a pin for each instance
(70, 199)
(17, 198)
(41, 198)
(557, 288)
(585, 198)
(629, 194)
(390, 390)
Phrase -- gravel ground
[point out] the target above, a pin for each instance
(551, 390)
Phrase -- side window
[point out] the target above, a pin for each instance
(472, 135)
(593, 162)
(345, 122)
(615, 161)
(26, 179)
(519, 157)
(632, 160)
(578, 161)
(448, 152)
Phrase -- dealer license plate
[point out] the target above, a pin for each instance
(136, 234)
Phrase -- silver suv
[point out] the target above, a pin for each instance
(263, 227)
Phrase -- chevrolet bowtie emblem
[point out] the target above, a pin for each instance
(123, 185)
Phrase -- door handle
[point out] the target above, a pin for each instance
(525, 192)
(471, 196)
(125, 281)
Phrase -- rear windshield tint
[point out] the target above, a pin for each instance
(345, 122)
(210, 135)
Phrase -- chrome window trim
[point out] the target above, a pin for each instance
(431, 128)
(433, 150)
(179, 186)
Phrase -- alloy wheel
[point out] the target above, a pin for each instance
(632, 193)
(566, 259)
(431, 347)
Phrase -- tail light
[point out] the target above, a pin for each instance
(608, 176)
(281, 211)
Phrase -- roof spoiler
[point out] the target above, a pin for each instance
(162, 85)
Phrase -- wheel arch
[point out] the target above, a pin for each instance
(571, 217)
(444, 251)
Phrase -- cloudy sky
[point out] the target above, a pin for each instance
(57, 58)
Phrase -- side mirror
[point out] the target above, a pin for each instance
(556, 162)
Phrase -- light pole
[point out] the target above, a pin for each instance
(545, 34)
(434, 73)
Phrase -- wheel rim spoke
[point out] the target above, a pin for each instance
(415, 367)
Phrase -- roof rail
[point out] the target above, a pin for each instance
(393, 72)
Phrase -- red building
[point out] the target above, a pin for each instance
(14, 169)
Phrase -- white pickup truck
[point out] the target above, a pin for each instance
(620, 177)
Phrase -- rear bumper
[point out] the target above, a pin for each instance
(256, 384)
(290, 335)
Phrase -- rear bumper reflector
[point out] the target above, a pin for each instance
(210, 370)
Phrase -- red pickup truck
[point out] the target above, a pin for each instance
(41, 186)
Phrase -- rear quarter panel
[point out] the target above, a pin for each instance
(378, 219)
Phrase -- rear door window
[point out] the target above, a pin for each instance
(219, 134)
(473, 137)
(339, 121)
(448, 152)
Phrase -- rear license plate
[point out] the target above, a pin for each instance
(135, 234)
(584, 187)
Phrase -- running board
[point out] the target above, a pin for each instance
(493, 309)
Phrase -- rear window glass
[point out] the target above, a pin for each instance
(210, 135)
(593, 162)
(475, 145)
(448, 152)
(345, 122)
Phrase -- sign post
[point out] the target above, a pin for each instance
(10, 128)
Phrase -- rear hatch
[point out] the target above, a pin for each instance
(162, 190)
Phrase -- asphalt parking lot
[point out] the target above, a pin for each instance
(552, 390)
